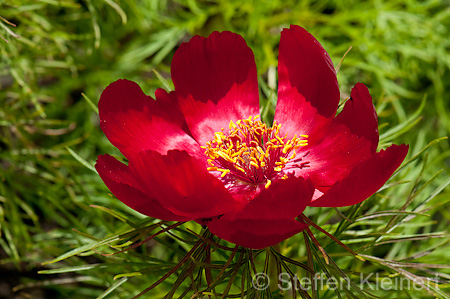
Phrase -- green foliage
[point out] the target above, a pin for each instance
(58, 55)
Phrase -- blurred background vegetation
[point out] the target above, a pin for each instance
(58, 55)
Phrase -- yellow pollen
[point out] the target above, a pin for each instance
(260, 150)
(286, 148)
(224, 156)
(254, 164)
(251, 152)
(293, 155)
(224, 172)
(279, 139)
(240, 169)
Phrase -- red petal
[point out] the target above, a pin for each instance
(359, 115)
(215, 80)
(182, 184)
(334, 157)
(269, 218)
(134, 122)
(118, 179)
(351, 139)
(168, 102)
(365, 179)
(308, 92)
(256, 234)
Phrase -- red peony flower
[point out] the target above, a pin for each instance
(201, 153)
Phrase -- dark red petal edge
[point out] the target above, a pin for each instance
(351, 139)
(118, 179)
(243, 232)
(359, 115)
(215, 81)
(308, 92)
(269, 218)
(134, 122)
(304, 64)
(182, 184)
(364, 180)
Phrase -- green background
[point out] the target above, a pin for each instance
(58, 56)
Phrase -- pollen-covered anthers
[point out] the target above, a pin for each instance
(251, 152)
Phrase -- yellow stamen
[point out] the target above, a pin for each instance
(260, 150)
(240, 169)
(293, 155)
(286, 148)
(279, 139)
(254, 164)
(232, 125)
(224, 156)
(251, 152)
(224, 171)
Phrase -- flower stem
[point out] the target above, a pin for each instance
(273, 268)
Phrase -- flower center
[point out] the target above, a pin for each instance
(251, 153)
